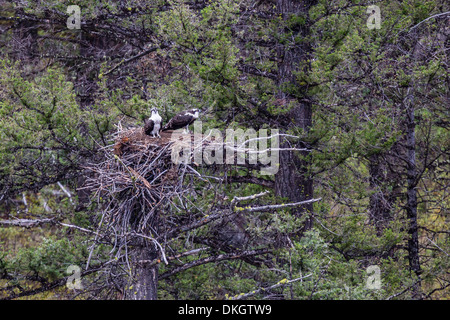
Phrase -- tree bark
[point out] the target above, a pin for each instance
(412, 177)
(144, 282)
(411, 193)
(292, 180)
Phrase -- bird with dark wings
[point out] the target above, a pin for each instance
(182, 120)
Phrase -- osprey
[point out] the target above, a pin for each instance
(182, 120)
(153, 124)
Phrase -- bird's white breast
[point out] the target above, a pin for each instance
(156, 118)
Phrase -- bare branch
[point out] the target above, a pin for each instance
(180, 255)
(252, 197)
(281, 283)
(434, 16)
(26, 223)
(276, 206)
(68, 194)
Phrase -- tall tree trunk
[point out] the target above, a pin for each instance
(144, 282)
(411, 193)
(412, 176)
(292, 180)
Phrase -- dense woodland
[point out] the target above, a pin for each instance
(361, 193)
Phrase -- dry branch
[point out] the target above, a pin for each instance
(26, 223)
(252, 197)
(281, 283)
(277, 206)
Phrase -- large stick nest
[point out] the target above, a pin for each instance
(135, 179)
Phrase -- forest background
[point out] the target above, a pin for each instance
(357, 210)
